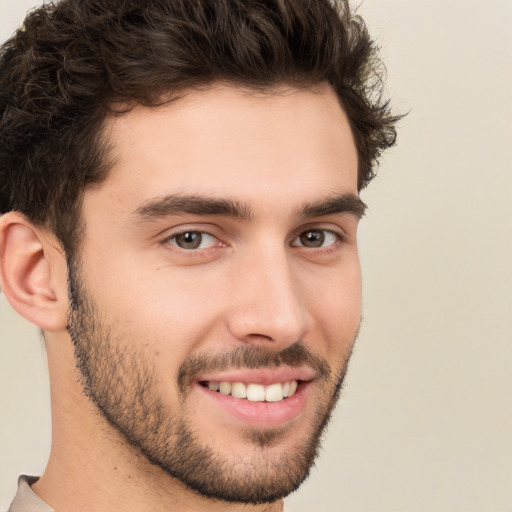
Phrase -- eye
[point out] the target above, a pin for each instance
(190, 240)
(316, 238)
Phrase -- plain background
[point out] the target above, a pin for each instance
(425, 420)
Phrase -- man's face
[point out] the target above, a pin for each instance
(220, 261)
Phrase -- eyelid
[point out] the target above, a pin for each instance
(206, 238)
(173, 233)
(338, 233)
(335, 229)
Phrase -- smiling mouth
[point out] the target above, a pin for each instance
(254, 392)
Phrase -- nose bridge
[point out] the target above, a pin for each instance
(268, 304)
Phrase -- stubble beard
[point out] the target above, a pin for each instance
(121, 382)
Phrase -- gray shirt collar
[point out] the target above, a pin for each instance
(26, 500)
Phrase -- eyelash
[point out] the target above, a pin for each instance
(336, 238)
(173, 239)
(327, 235)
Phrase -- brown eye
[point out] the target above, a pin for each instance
(190, 240)
(312, 238)
(316, 238)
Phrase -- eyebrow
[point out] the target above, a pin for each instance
(178, 204)
(339, 203)
(192, 205)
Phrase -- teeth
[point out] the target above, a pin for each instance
(225, 388)
(293, 388)
(274, 393)
(256, 392)
(239, 390)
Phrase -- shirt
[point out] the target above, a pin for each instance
(26, 500)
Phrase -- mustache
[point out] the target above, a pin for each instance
(251, 357)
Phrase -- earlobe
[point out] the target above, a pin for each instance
(26, 273)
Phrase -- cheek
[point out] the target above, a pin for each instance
(167, 314)
(336, 308)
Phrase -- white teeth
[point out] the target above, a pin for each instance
(274, 393)
(256, 392)
(293, 387)
(239, 390)
(213, 385)
(225, 388)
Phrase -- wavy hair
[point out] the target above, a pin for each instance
(76, 62)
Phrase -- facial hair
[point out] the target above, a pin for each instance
(122, 383)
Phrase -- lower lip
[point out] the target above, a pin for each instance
(261, 414)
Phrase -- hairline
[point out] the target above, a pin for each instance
(105, 147)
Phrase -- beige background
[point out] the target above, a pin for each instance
(425, 422)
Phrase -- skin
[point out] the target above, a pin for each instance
(253, 283)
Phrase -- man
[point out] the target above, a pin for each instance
(179, 184)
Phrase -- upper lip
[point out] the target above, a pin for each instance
(265, 376)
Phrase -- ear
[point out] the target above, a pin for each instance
(33, 272)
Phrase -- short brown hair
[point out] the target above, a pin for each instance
(74, 62)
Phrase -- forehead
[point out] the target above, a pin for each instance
(234, 143)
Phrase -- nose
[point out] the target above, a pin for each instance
(268, 307)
